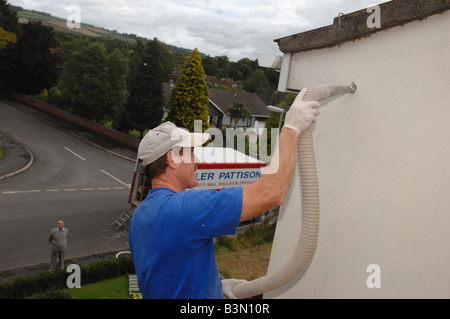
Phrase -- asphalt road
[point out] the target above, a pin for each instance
(69, 179)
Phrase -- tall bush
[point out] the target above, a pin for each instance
(189, 100)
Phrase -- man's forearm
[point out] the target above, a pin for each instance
(271, 188)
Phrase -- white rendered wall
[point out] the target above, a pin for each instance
(383, 160)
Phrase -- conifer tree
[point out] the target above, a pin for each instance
(189, 100)
(144, 107)
(118, 72)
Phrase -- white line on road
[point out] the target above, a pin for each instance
(79, 156)
(127, 185)
(65, 190)
(22, 192)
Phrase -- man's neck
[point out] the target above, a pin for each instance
(168, 181)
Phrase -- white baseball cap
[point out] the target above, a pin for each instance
(164, 138)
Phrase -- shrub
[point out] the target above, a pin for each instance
(53, 294)
(255, 235)
(55, 97)
(49, 282)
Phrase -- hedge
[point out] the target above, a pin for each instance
(22, 287)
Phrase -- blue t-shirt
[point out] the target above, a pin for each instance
(171, 241)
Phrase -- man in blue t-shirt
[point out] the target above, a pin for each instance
(171, 232)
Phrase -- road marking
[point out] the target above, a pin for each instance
(22, 192)
(127, 185)
(65, 190)
(79, 156)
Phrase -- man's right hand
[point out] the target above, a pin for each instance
(301, 114)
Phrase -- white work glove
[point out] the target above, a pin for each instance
(227, 287)
(301, 114)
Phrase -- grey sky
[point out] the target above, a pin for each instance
(233, 28)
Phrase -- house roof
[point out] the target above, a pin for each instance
(223, 99)
(353, 26)
(232, 83)
(212, 79)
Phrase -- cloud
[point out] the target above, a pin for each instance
(267, 12)
(233, 28)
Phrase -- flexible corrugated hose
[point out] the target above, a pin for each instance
(309, 232)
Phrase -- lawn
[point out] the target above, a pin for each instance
(115, 288)
(244, 263)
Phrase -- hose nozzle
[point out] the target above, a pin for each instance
(337, 90)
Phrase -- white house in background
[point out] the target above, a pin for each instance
(382, 154)
(222, 99)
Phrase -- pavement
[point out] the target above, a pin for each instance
(17, 159)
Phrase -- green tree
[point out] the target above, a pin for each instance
(189, 100)
(245, 68)
(238, 111)
(54, 97)
(118, 73)
(167, 60)
(224, 67)
(29, 65)
(85, 83)
(144, 107)
(257, 82)
(8, 19)
(6, 38)
(210, 65)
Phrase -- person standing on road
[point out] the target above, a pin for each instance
(58, 244)
(171, 232)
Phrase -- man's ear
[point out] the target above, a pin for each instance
(173, 159)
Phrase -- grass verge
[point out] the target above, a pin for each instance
(246, 255)
(115, 288)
